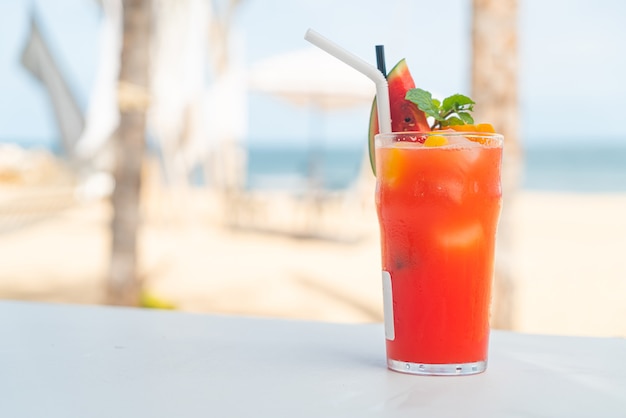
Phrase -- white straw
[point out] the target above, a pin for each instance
(382, 88)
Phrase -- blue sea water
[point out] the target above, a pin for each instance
(575, 168)
(276, 166)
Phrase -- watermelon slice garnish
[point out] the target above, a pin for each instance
(405, 115)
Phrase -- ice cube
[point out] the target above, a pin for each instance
(461, 141)
(463, 236)
(468, 151)
(456, 163)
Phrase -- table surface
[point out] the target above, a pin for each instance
(87, 361)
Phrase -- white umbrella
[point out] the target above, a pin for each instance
(311, 77)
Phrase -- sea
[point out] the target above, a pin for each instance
(559, 168)
(600, 168)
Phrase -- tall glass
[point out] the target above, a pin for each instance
(438, 209)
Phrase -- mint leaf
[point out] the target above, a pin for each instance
(454, 110)
(466, 117)
(452, 120)
(424, 101)
(457, 102)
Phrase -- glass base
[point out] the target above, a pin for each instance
(454, 369)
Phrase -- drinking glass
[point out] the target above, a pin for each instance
(438, 209)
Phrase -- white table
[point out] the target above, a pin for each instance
(80, 361)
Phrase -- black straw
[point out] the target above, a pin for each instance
(380, 59)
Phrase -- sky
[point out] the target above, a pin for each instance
(572, 61)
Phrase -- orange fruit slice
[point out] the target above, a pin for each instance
(435, 141)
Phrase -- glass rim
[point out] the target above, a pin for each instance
(495, 139)
(442, 133)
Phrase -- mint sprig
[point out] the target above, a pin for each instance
(454, 110)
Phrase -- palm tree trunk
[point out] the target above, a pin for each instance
(495, 90)
(124, 285)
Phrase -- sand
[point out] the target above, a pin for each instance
(568, 263)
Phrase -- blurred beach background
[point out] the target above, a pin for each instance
(258, 203)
